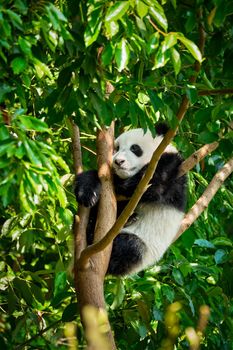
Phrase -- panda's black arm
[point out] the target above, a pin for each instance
(165, 187)
(126, 187)
(87, 188)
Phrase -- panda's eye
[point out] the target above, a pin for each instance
(136, 150)
(116, 148)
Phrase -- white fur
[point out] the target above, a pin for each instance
(132, 163)
(157, 226)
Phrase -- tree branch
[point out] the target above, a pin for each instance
(227, 91)
(196, 157)
(206, 197)
(90, 273)
(82, 217)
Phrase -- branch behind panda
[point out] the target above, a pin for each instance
(82, 216)
(203, 202)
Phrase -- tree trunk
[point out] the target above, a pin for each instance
(89, 278)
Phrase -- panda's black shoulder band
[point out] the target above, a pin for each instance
(161, 128)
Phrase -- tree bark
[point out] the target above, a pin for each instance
(196, 157)
(203, 202)
(89, 277)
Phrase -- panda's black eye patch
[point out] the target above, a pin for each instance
(116, 148)
(136, 150)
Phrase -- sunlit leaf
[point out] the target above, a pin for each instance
(191, 47)
(142, 8)
(158, 14)
(176, 61)
(116, 11)
(122, 55)
(112, 28)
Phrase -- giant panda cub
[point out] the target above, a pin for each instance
(157, 218)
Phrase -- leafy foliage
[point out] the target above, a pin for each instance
(56, 59)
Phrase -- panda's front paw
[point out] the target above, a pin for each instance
(88, 198)
(87, 188)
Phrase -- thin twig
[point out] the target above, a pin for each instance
(156, 27)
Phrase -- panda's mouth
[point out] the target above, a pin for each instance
(124, 172)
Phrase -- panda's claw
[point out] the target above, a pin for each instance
(87, 188)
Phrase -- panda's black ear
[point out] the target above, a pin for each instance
(161, 128)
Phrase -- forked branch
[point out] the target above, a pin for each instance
(206, 197)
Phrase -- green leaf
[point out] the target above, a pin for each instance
(4, 90)
(57, 13)
(153, 43)
(191, 93)
(169, 41)
(32, 123)
(107, 54)
(133, 113)
(176, 61)
(192, 48)
(156, 101)
(119, 292)
(4, 133)
(70, 313)
(142, 8)
(178, 276)
(161, 58)
(5, 145)
(112, 28)
(207, 137)
(93, 27)
(223, 241)
(34, 158)
(23, 288)
(158, 14)
(18, 65)
(116, 11)
(61, 195)
(60, 283)
(122, 55)
(168, 292)
(15, 19)
(25, 46)
(42, 69)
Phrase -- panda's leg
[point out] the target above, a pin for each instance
(127, 253)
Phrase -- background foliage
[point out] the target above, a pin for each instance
(55, 61)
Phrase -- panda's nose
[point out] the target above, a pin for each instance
(119, 162)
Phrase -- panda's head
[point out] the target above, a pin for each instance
(133, 150)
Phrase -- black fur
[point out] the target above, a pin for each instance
(87, 188)
(161, 128)
(136, 150)
(127, 251)
(165, 187)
